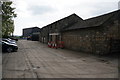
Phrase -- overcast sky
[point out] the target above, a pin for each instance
(31, 13)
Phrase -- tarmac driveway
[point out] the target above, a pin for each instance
(36, 60)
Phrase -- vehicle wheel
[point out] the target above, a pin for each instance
(15, 50)
(9, 49)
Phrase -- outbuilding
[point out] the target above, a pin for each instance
(32, 33)
(52, 32)
(100, 35)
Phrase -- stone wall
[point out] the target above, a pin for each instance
(92, 40)
(44, 35)
(56, 27)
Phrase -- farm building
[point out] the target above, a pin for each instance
(35, 36)
(52, 32)
(99, 35)
(32, 32)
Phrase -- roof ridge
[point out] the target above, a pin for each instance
(31, 27)
(95, 21)
(63, 19)
(113, 12)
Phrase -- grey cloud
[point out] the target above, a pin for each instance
(96, 8)
(38, 10)
(103, 8)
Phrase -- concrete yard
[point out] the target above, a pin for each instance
(36, 60)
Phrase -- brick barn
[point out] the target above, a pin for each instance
(100, 35)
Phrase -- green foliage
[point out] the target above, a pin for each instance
(8, 14)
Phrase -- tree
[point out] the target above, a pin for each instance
(8, 14)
